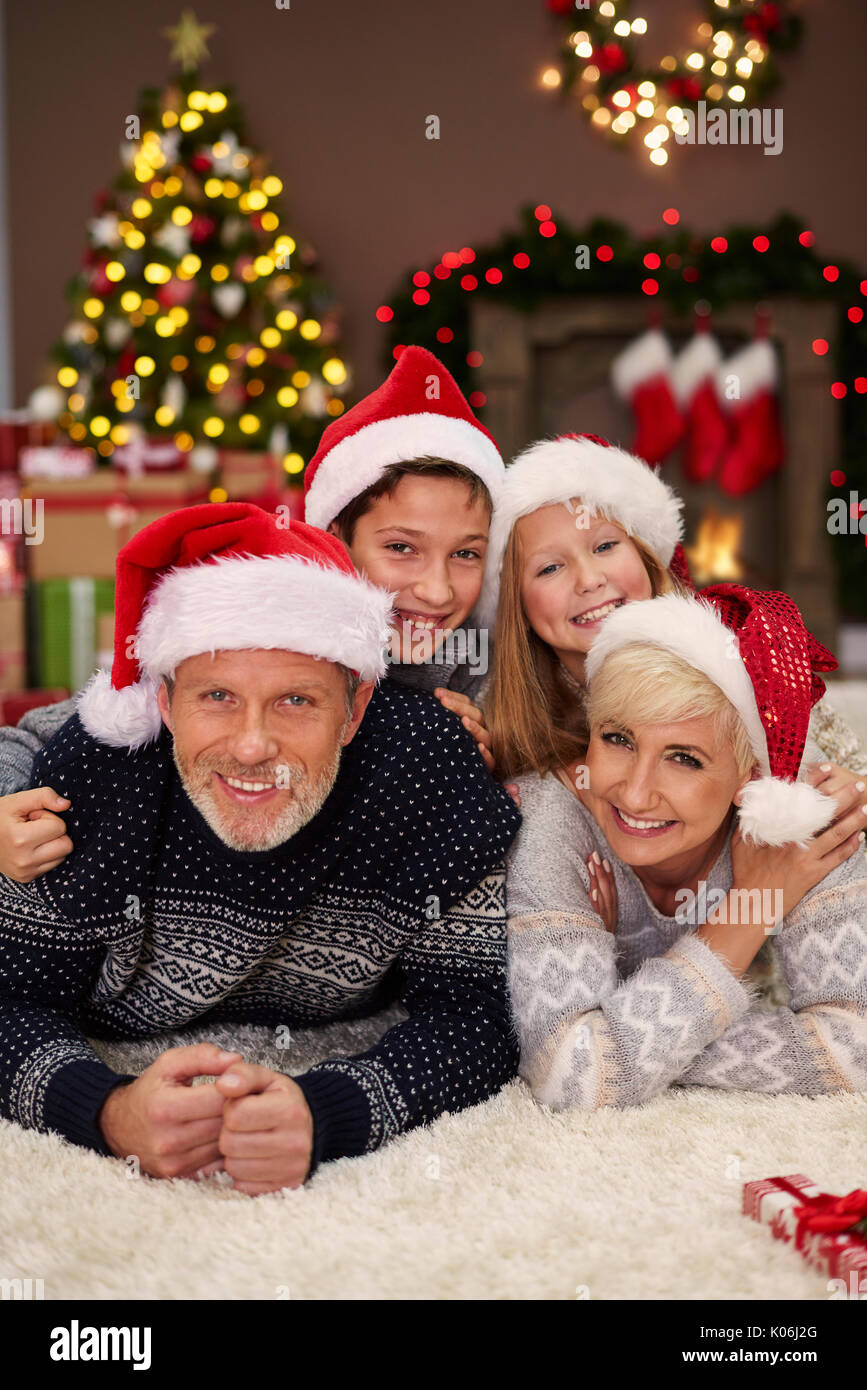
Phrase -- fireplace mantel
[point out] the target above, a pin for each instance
(547, 371)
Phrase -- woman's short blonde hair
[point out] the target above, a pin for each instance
(644, 684)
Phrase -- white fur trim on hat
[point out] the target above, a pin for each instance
(240, 602)
(645, 358)
(773, 812)
(126, 718)
(602, 478)
(360, 459)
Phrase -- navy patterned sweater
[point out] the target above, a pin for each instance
(393, 892)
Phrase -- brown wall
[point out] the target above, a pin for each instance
(338, 90)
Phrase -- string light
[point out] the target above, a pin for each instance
(722, 50)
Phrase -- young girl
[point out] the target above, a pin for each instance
(579, 528)
(696, 705)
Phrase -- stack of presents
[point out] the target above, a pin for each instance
(63, 518)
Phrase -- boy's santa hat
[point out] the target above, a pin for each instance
(603, 478)
(227, 577)
(754, 646)
(417, 412)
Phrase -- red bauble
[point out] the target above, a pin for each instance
(99, 281)
(685, 88)
(201, 229)
(560, 6)
(201, 163)
(764, 21)
(610, 58)
(175, 292)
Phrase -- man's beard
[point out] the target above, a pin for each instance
(248, 828)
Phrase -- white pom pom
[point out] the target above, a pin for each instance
(126, 718)
(774, 812)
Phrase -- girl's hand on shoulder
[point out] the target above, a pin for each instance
(795, 871)
(472, 718)
(603, 890)
(831, 779)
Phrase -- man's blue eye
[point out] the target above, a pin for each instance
(218, 695)
(302, 699)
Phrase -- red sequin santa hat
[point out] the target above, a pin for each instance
(419, 411)
(603, 478)
(754, 646)
(227, 577)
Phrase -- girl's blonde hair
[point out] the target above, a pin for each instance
(535, 712)
(641, 683)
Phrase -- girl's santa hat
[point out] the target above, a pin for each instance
(602, 477)
(419, 411)
(754, 646)
(227, 577)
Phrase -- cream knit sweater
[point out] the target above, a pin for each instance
(614, 1019)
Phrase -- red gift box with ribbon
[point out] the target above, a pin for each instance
(829, 1231)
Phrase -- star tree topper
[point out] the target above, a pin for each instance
(188, 37)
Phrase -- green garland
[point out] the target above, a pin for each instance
(738, 274)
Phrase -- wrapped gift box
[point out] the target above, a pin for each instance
(55, 461)
(13, 672)
(68, 614)
(820, 1225)
(87, 520)
(250, 477)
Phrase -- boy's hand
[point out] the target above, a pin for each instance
(795, 871)
(472, 718)
(32, 838)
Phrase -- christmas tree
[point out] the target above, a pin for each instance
(195, 317)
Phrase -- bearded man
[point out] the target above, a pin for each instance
(260, 835)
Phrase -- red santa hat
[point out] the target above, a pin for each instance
(603, 477)
(754, 646)
(418, 411)
(227, 577)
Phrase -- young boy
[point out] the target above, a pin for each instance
(407, 480)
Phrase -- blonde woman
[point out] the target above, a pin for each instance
(687, 807)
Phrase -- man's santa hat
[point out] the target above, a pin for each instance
(417, 412)
(603, 478)
(754, 646)
(227, 577)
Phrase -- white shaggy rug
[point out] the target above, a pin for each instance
(503, 1201)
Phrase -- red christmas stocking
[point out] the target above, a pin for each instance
(641, 375)
(694, 380)
(756, 449)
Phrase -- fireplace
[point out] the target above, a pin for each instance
(548, 372)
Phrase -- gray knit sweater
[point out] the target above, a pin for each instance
(614, 1019)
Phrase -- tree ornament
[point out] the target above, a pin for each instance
(189, 40)
(228, 298)
(46, 403)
